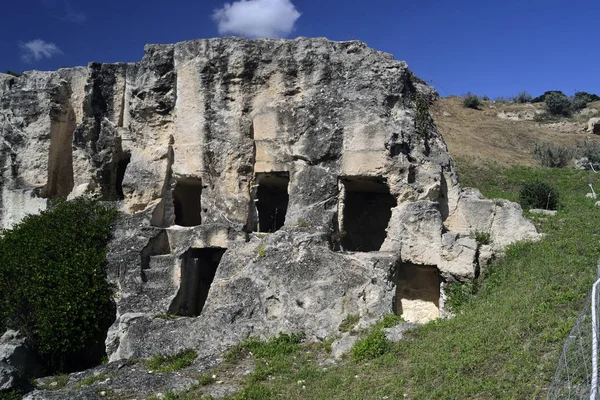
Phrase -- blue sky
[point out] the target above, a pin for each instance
(496, 48)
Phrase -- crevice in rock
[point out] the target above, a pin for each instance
(443, 198)
(114, 173)
(366, 212)
(60, 158)
(417, 292)
(198, 269)
(271, 201)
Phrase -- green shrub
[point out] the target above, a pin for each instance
(372, 346)
(590, 150)
(552, 156)
(485, 97)
(472, 101)
(538, 195)
(580, 100)
(542, 98)
(481, 237)
(52, 282)
(558, 104)
(522, 98)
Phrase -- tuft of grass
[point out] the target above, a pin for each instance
(372, 346)
(90, 380)
(206, 379)
(349, 322)
(482, 237)
(170, 363)
(262, 251)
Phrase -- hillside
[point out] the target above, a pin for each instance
(483, 137)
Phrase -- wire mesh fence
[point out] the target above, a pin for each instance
(576, 376)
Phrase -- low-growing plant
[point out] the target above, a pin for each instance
(170, 363)
(349, 322)
(458, 294)
(284, 343)
(472, 101)
(552, 156)
(485, 97)
(589, 150)
(538, 195)
(206, 379)
(482, 237)
(90, 380)
(372, 346)
(262, 251)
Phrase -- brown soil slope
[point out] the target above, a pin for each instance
(483, 137)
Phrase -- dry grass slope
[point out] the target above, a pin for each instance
(481, 136)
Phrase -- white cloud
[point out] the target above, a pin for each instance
(257, 18)
(38, 49)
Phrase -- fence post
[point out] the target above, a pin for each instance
(594, 389)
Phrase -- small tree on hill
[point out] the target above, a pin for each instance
(558, 104)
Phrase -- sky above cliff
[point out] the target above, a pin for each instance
(493, 48)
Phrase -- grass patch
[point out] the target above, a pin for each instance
(164, 363)
(90, 380)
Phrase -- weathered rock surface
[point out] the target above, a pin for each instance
(593, 126)
(17, 361)
(299, 180)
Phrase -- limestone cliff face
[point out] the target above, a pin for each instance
(267, 185)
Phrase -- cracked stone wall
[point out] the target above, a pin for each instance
(222, 113)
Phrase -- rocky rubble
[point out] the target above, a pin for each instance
(267, 186)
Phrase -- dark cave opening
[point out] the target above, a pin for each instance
(187, 202)
(272, 200)
(198, 269)
(367, 212)
(121, 168)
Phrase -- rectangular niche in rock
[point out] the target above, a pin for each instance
(417, 292)
(367, 209)
(272, 200)
(187, 201)
(198, 269)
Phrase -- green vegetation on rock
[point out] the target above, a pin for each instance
(52, 282)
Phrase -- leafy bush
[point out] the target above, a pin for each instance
(15, 74)
(522, 98)
(52, 282)
(373, 346)
(580, 100)
(590, 150)
(538, 195)
(558, 104)
(542, 98)
(485, 97)
(472, 101)
(552, 156)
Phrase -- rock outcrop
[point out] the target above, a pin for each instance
(267, 186)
